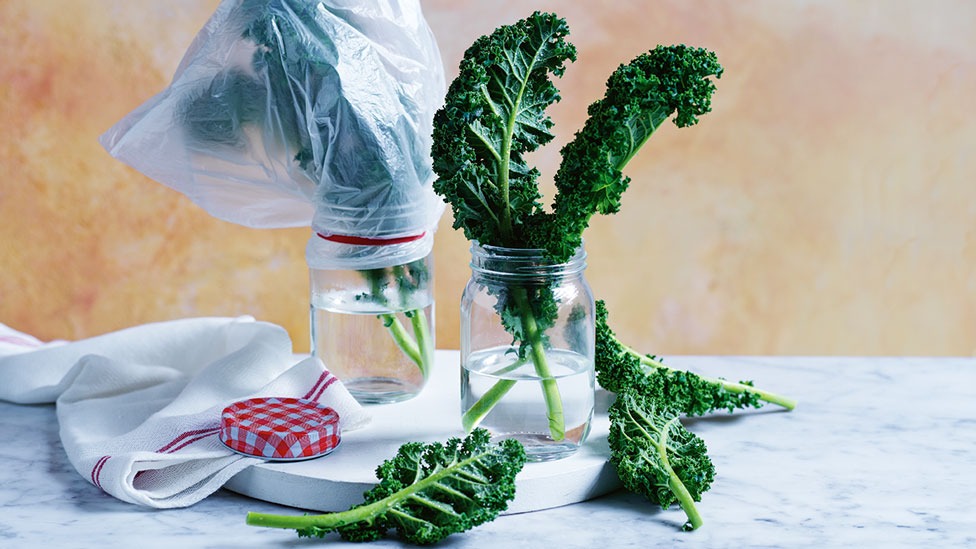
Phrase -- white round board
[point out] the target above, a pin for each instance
(337, 481)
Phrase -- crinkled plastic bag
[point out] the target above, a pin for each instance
(289, 113)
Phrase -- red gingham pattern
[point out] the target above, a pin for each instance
(279, 428)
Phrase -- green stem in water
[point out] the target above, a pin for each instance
(550, 389)
(474, 416)
(732, 387)
(424, 342)
(403, 339)
(420, 350)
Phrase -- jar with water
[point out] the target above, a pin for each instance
(527, 350)
(374, 328)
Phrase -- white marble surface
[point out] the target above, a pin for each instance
(880, 452)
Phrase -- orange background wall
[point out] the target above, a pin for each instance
(826, 206)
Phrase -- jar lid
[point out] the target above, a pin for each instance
(279, 429)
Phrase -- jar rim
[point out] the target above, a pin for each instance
(525, 253)
(522, 263)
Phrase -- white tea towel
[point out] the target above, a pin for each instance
(139, 409)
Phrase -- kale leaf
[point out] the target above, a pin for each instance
(493, 114)
(620, 368)
(426, 492)
(656, 457)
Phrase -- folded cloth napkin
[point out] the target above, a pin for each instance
(139, 409)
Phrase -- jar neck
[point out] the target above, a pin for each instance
(522, 264)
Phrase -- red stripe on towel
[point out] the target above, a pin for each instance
(15, 340)
(194, 439)
(184, 435)
(318, 382)
(97, 471)
(318, 395)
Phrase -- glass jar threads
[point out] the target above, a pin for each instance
(527, 349)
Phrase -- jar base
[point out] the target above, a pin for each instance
(540, 447)
(381, 390)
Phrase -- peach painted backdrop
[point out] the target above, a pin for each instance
(826, 206)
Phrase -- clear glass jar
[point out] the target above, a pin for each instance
(374, 329)
(527, 348)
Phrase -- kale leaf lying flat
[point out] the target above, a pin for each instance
(656, 457)
(619, 368)
(426, 492)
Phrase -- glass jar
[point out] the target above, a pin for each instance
(374, 328)
(527, 348)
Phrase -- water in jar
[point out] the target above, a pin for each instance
(520, 412)
(377, 350)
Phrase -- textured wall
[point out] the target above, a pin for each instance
(827, 205)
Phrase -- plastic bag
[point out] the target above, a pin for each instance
(288, 113)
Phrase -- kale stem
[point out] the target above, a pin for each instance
(403, 340)
(684, 498)
(474, 416)
(686, 502)
(359, 514)
(424, 342)
(419, 351)
(772, 398)
(328, 520)
(550, 389)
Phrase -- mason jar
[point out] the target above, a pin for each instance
(374, 328)
(527, 349)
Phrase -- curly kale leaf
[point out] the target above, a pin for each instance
(426, 492)
(656, 457)
(641, 95)
(494, 113)
(619, 368)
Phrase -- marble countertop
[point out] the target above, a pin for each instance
(880, 452)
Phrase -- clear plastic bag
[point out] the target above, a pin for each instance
(289, 113)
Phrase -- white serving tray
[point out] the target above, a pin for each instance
(337, 481)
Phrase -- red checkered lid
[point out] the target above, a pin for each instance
(284, 429)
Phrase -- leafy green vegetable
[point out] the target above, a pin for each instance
(426, 492)
(620, 368)
(494, 113)
(656, 457)
(641, 95)
(217, 114)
